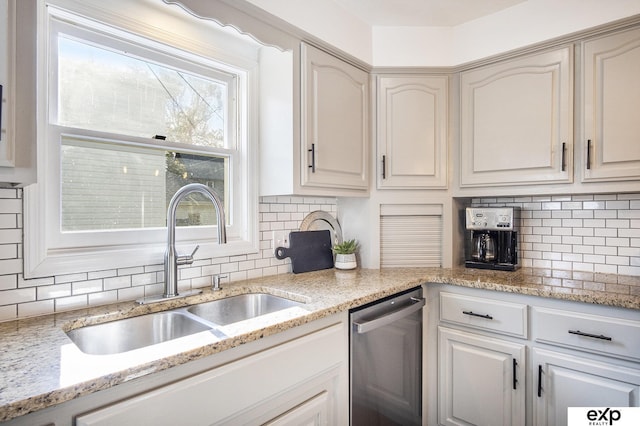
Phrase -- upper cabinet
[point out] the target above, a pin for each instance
(611, 67)
(412, 131)
(314, 118)
(17, 90)
(334, 110)
(516, 121)
(6, 52)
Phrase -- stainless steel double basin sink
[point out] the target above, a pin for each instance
(150, 329)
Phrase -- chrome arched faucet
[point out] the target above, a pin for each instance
(171, 258)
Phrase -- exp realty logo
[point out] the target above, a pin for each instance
(603, 416)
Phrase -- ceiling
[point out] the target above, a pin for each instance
(423, 13)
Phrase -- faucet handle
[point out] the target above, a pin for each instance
(188, 258)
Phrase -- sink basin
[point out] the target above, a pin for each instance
(134, 333)
(238, 308)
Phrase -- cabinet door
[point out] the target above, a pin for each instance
(304, 379)
(611, 104)
(335, 97)
(313, 412)
(18, 100)
(517, 121)
(481, 380)
(6, 54)
(563, 381)
(412, 131)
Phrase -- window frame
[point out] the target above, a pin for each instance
(48, 251)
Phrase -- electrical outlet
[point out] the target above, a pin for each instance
(280, 239)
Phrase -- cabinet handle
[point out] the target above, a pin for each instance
(588, 154)
(313, 157)
(564, 152)
(384, 167)
(593, 336)
(539, 381)
(515, 370)
(473, 314)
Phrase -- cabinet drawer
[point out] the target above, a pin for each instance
(486, 314)
(592, 333)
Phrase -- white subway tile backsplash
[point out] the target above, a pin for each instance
(8, 251)
(572, 205)
(22, 295)
(13, 206)
(83, 287)
(10, 236)
(605, 214)
(631, 233)
(69, 303)
(41, 307)
(188, 273)
(583, 249)
(8, 221)
(102, 274)
(131, 271)
(618, 242)
(102, 298)
(60, 279)
(617, 205)
(598, 233)
(144, 279)
(551, 206)
(572, 240)
(8, 282)
(131, 293)
(562, 248)
(605, 250)
(583, 232)
(572, 223)
(629, 270)
(116, 283)
(629, 214)
(580, 214)
(53, 291)
(11, 266)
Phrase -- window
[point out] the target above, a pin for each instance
(126, 121)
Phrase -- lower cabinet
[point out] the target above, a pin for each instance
(299, 376)
(510, 359)
(303, 381)
(564, 381)
(481, 380)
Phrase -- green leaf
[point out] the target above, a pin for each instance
(346, 247)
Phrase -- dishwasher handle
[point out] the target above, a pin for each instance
(366, 326)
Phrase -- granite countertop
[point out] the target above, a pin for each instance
(40, 367)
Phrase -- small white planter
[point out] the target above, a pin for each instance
(346, 261)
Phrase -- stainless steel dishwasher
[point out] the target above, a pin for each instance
(386, 361)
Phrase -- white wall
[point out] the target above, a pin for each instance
(526, 23)
(326, 20)
(532, 22)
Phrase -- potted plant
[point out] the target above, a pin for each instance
(346, 254)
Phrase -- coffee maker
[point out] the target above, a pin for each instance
(491, 239)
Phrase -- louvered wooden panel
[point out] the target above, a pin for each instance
(410, 241)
